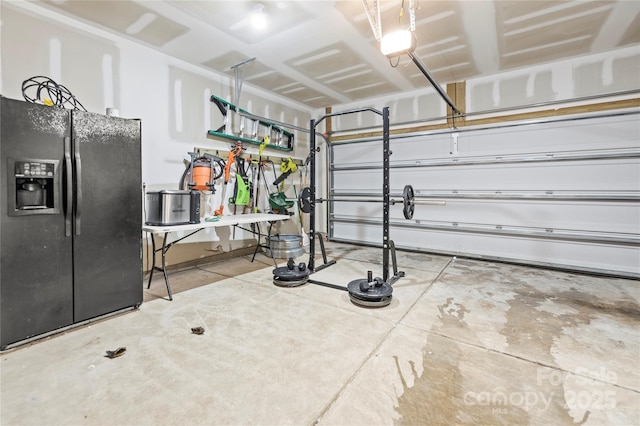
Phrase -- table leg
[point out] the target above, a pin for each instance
(153, 260)
(259, 242)
(164, 250)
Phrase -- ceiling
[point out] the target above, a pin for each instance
(323, 53)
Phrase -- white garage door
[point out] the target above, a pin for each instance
(562, 193)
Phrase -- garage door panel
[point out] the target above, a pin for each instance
(583, 135)
(573, 255)
(622, 175)
(593, 136)
(558, 215)
(564, 192)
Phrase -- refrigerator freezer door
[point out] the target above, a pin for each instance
(107, 227)
(36, 269)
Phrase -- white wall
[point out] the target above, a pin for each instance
(103, 70)
(565, 80)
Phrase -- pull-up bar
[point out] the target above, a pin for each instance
(350, 111)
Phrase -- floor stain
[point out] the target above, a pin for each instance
(435, 392)
(437, 396)
(584, 301)
(452, 312)
(441, 396)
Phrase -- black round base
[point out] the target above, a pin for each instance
(291, 276)
(290, 283)
(371, 296)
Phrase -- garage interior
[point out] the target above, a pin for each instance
(445, 233)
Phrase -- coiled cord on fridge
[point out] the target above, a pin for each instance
(43, 90)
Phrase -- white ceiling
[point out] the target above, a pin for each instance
(323, 53)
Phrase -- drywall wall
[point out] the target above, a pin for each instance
(612, 72)
(169, 96)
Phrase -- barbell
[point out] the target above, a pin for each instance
(408, 201)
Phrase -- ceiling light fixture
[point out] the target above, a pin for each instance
(397, 43)
(402, 42)
(258, 17)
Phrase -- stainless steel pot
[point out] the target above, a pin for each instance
(285, 246)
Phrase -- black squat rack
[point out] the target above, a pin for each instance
(369, 291)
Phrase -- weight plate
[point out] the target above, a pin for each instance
(379, 303)
(289, 283)
(304, 200)
(285, 274)
(377, 296)
(408, 198)
(291, 275)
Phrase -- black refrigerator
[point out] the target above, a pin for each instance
(71, 218)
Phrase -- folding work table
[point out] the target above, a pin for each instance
(193, 228)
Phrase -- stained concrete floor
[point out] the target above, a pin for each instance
(462, 342)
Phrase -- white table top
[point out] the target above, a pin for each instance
(223, 221)
(258, 217)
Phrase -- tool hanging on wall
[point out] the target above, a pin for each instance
(258, 168)
(253, 203)
(242, 188)
(201, 172)
(235, 152)
(286, 168)
(278, 201)
(264, 177)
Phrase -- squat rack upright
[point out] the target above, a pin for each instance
(366, 292)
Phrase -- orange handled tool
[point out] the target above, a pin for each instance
(235, 152)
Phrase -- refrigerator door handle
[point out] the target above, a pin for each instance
(78, 161)
(68, 208)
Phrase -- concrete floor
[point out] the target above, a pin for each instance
(463, 342)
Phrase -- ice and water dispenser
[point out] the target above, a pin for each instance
(35, 185)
